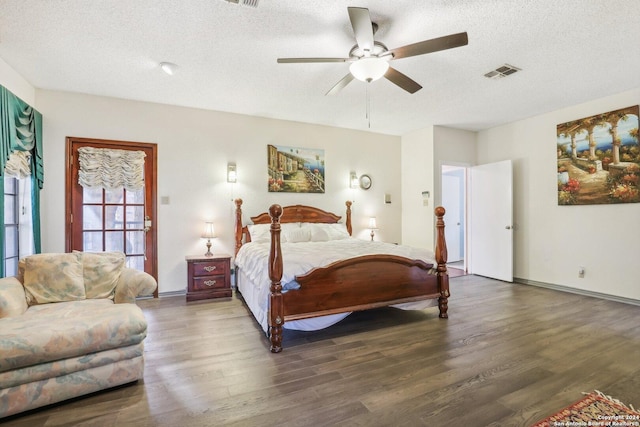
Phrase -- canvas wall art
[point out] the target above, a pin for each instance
(295, 170)
(599, 159)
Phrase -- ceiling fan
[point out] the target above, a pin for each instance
(370, 59)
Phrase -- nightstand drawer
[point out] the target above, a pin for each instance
(210, 268)
(209, 282)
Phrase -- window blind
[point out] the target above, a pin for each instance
(111, 169)
(18, 165)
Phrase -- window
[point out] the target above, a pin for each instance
(11, 227)
(18, 233)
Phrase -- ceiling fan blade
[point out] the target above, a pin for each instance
(362, 27)
(340, 85)
(406, 83)
(309, 60)
(428, 46)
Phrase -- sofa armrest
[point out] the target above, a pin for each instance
(13, 301)
(133, 283)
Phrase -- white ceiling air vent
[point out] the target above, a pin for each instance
(249, 3)
(502, 71)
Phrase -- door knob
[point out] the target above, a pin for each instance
(508, 227)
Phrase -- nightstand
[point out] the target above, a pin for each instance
(208, 277)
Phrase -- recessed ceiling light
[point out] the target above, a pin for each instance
(169, 68)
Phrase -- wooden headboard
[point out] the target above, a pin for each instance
(294, 213)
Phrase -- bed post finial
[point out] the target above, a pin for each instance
(238, 226)
(348, 220)
(276, 317)
(441, 259)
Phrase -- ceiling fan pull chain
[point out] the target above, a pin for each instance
(368, 107)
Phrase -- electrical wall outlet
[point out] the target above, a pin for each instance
(581, 272)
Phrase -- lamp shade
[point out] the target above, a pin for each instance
(372, 223)
(369, 69)
(208, 231)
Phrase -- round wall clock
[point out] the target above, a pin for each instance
(365, 182)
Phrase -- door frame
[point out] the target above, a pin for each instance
(465, 208)
(72, 144)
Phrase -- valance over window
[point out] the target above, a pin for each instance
(111, 169)
(20, 130)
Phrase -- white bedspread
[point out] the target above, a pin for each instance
(299, 258)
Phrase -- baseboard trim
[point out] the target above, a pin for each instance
(577, 291)
(172, 293)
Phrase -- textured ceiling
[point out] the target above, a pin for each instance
(570, 51)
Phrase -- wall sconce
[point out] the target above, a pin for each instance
(353, 180)
(372, 226)
(231, 173)
(169, 67)
(208, 234)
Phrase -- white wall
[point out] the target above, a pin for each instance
(423, 153)
(15, 83)
(194, 147)
(451, 147)
(551, 241)
(417, 176)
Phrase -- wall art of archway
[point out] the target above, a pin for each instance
(599, 159)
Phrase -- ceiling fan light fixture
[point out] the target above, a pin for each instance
(369, 69)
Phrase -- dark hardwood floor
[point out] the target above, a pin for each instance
(508, 355)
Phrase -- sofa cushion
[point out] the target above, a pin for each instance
(53, 278)
(12, 299)
(101, 272)
(59, 331)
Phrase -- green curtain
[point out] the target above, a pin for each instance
(21, 129)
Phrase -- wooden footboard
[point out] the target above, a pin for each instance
(359, 284)
(354, 284)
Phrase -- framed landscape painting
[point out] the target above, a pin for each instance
(295, 170)
(599, 159)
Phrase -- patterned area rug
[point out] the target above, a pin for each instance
(595, 409)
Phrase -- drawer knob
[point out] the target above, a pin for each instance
(209, 282)
(209, 268)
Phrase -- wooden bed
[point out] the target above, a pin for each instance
(353, 284)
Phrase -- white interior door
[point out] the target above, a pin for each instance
(491, 221)
(451, 191)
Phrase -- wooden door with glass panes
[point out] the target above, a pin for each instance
(113, 220)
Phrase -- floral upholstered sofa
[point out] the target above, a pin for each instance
(69, 326)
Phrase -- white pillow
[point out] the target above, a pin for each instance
(318, 234)
(261, 233)
(338, 232)
(333, 231)
(297, 235)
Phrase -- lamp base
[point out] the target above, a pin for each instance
(209, 253)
